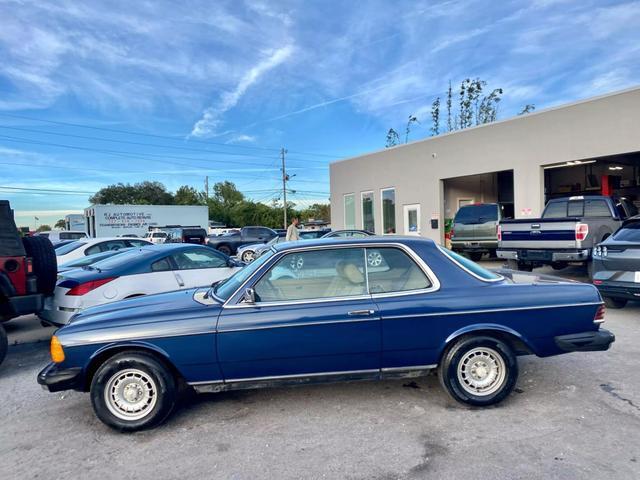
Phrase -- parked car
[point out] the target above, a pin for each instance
(156, 237)
(312, 234)
(59, 235)
(61, 243)
(89, 246)
(347, 234)
(616, 265)
(474, 230)
(89, 260)
(567, 232)
(140, 271)
(27, 272)
(195, 235)
(248, 253)
(229, 243)
(421, 307)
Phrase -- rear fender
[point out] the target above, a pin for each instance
(497, 330)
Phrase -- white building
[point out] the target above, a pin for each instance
(114, 220)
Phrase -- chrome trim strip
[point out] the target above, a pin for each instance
(408, 369)
(433, 279)
(491, 310)
(206, 382)
(307, 324)
(66, 343)
(301, 375)
(486, 280)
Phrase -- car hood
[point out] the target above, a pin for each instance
(163, 314)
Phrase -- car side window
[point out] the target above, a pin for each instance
(94, 249)
(314, 274)
(391, 270)
(161, 265)
(201, 258)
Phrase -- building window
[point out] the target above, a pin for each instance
(388, 210)
(349, 211)
(368, 222)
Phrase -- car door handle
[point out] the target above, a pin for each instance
(360, 313)
(180, 280)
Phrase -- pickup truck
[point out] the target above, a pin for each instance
(229, 243)
(566, 233)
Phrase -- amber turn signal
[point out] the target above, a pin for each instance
(57, 353)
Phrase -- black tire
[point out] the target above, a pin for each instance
(4, 343)
(612, 302)
(499, 351)
(226, 249)
(154, 376)
(492, 253)
(558, 265)
(45, 266)
(525, 267)
(475, 256)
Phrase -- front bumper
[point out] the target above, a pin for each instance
(545, 256)
(586, 341)
(56, 379)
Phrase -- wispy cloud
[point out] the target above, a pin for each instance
(212, 116)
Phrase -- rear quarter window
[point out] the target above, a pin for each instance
(628, 233)
(471, 267)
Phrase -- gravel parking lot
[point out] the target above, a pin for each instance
(572, 416)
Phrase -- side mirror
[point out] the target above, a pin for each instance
(249, 296)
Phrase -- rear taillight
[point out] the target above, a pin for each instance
(582, 230)
(86, 287)
(599, 318)
(452, 233)
(499, 232)
(29, 265)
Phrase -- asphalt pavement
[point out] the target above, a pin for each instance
(571, 416)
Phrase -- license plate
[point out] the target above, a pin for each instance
(636, 277)
(538, 255)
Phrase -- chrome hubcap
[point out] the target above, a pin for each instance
(248, 256)
(481, 371)
(374, 259)
(130, 394)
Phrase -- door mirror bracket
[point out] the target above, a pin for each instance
(249, 296)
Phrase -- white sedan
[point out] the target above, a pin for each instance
(89, 246)
(140, 271)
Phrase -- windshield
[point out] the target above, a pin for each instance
(227, 287)
(477, 214)
(471, 266)
(69, 247)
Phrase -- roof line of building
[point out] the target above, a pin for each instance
(484, 125)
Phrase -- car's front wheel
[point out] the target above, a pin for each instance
(225, 249)
(248, 256)
(133, 391)
(479, 370)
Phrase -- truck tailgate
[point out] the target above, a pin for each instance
(539, 234)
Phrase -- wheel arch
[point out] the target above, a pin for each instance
(105, 353)
(519, 344)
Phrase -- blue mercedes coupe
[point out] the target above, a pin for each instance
(318, 311)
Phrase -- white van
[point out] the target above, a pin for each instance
(156, 237)
(61, 235)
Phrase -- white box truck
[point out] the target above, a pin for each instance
(115, 220)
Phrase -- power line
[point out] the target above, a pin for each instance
(150, 135)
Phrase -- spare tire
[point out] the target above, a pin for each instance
(4, 343)
(43, 257)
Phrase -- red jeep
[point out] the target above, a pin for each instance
(28, 272)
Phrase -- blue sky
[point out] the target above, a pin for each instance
(174, 91)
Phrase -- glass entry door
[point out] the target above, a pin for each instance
(412, 219)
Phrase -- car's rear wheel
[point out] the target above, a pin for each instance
(475, 256)
(224, 249)
(4, 343)
(248, 256)
(479, 370)
(611, 302)
(133, 391)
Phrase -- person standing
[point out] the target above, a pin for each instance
(292, 231)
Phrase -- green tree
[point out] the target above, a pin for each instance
(43, 228)
(61, 224)
(186, 195)
(143, 193)
(393, 138)
(412, 119)
(435, 117)
(528, 108)
(317, 211)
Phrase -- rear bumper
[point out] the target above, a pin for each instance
(56, 379)
(473, 245)
(23, 305)
(544, 256)
(630, 291)
(586, 341)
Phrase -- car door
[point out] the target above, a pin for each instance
(403, 290)
(312, 316)
(199, 267)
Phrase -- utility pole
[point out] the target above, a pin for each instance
(284, 184)
(206, 189)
